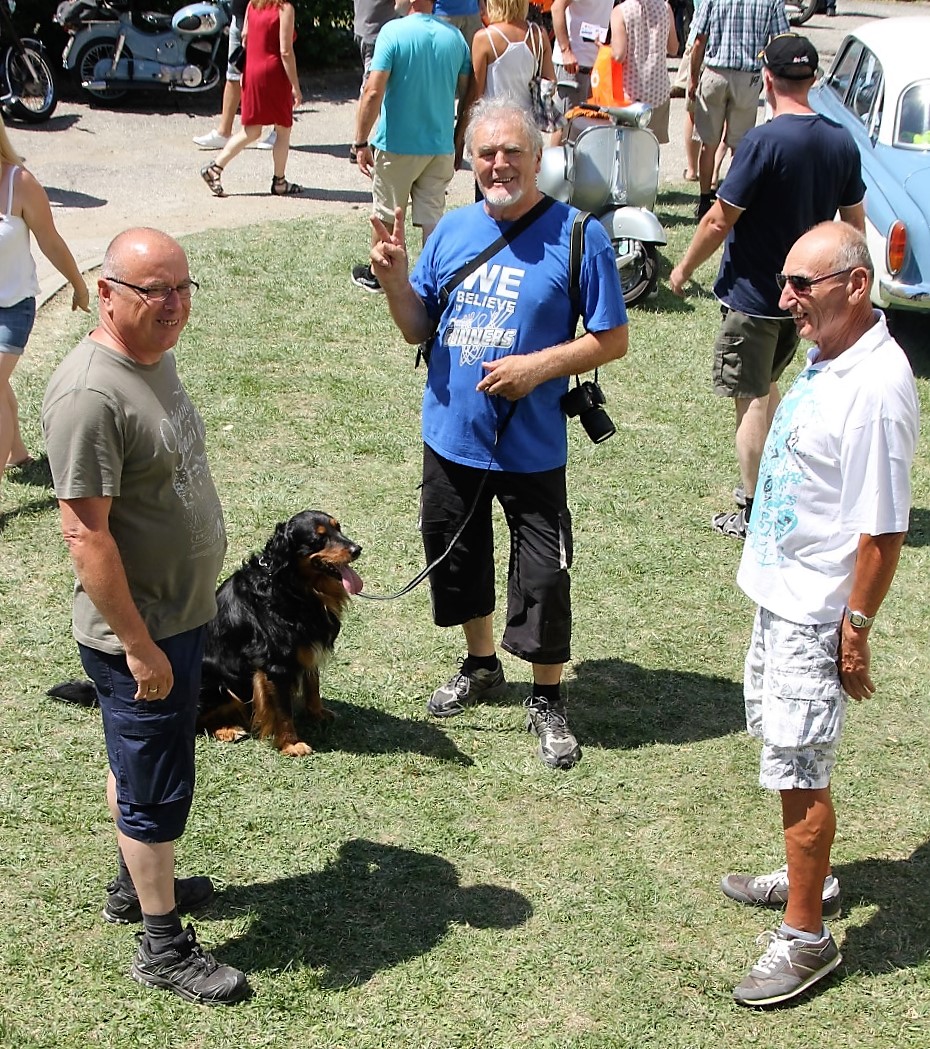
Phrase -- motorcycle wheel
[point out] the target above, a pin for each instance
(639, 277)
(799, 13)
(35, 96)
(94, 52)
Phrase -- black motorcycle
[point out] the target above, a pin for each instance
(27, 84)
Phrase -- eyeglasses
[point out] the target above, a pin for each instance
(158, 292)
(804, 284)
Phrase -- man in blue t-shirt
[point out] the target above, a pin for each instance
(786, 176)
(492, 422)
(419, 66)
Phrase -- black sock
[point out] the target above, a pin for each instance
(481, 662)
(123, 876)
(748, 506)
(161, 929)
(552, 694)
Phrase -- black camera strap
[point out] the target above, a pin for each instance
(575, 255)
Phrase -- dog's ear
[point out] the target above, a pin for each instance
(278, 549)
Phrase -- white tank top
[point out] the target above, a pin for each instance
(18, 278)
(512, 69)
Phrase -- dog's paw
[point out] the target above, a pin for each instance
(297, 750)
(232, 734)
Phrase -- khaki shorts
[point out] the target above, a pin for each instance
(402, 178)
(726, 97)
(751, 353)
(794, 701)
(658, 125)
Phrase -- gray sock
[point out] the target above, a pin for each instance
(799, 934)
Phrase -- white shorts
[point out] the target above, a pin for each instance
(794, 701)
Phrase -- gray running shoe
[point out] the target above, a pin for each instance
(558, 747)
(189, 971)
(771, 890)
(788, 967)
(463, 689)
(122, 906)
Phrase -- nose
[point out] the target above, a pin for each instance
(355, 551)
(786, 297)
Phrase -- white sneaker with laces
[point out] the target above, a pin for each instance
(268, 141)
(213, 140)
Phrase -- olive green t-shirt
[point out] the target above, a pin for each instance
(128, 431)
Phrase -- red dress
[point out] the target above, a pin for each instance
(266, 91)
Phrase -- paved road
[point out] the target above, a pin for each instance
(106, 168)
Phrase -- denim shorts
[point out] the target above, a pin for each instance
(16, 326)
(150, 743)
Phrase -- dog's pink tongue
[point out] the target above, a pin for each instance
(351, 580)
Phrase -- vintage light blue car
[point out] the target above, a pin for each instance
(879, 88)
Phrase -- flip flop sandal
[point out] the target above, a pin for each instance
(280, 187)
(212, 174)
(21, 465)
(731, 523)
(689, 178)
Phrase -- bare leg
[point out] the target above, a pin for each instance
(8, 415)
(151, 866)
(237, 144)
(547, 673)
(753, 418)
(279, 150)
(232, 93)
(810, 825)
(479, 636)
(706, 166)
(692, 148)
(18, 451)
(719, 158)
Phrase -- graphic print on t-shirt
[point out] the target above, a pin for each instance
(484, 302)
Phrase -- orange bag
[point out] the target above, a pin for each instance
(607, 80)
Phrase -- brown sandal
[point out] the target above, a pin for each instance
(280, 187)
(212, 174)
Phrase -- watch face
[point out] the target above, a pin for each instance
(857, 619)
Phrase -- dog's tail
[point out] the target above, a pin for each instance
(81, 693)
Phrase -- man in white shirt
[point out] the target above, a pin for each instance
(827, 526)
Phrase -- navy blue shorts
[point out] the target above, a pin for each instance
(16, 326)
(150, 743)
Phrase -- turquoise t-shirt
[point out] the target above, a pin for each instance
(424, 57)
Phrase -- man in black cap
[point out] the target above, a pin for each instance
(786, 176)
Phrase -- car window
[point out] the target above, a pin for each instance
(844, 67)
(865, 87)
(913, 130)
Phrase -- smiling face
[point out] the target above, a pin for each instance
(505, 165)
(141, 328)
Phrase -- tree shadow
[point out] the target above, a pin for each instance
(897, 936)
(69, 198)
(36, 472)
(918, 534)
(340, 196)
(55, 123)
(30, 509)
(373, 907)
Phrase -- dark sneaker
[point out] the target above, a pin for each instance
(364, 278)
(558, 747)
(190, 971)
(463, 689)
(122, 906)
(704, 204)
(739, 496)
(771, 890)
(731, 523)
(788, 967)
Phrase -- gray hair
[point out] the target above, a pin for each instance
(853, 250)
(486, 110)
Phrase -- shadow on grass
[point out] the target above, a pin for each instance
(918, 534)
(373, 907)
(898, 935)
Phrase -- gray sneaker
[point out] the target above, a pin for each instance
(771, 890)
(558, 747)
(463, 689)
(190, 971)
(788, 967)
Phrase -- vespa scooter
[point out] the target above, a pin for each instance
(114, 47)
(608, 164)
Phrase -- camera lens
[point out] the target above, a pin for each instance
(597, 424)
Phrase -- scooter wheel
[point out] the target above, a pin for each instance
(639, 273)
(91, 55)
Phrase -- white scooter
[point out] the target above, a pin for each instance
(608, 164)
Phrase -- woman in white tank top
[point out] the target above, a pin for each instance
(24, 209)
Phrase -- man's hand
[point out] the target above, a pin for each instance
(366, 160)
(853, 662)
(389, 253)
(569, 62)
(149, 665)
(677, 281)
(511, 377)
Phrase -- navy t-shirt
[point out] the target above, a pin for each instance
(786, 176)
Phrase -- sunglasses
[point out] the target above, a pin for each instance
(804, 284)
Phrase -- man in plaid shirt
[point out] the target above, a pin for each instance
(729, 36)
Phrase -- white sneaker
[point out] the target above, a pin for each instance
(214, 140)
(268, 141)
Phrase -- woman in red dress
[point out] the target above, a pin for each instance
(270, 92)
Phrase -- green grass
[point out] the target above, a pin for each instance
(428, 884)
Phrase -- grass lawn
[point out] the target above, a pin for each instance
(423, 884)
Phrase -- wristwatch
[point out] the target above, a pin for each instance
(859, 620)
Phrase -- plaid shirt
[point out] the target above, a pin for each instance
(737, 30)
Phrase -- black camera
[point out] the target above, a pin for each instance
(586, 400)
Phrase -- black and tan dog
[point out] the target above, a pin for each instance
(277, 619)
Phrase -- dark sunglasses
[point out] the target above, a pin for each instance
(804, 284)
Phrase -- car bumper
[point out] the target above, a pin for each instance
(914, 296)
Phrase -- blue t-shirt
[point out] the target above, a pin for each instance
(425, 58)
(517, 302)
(786, 175)
(455, 8)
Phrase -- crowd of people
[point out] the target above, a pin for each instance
(494, 300)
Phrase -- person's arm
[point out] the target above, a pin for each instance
(390, 265)
(99, 567)
(465, 93)
(560, 29)
(697, 60)
(37, 214)
(480, 60)
(876, 562)
(672, 44)
(619, 45)
(546, 67)
(286, 44)
(854, 215)
(243, 36)
(711, 233)
(369, 106)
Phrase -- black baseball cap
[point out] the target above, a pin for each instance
(791, 56)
